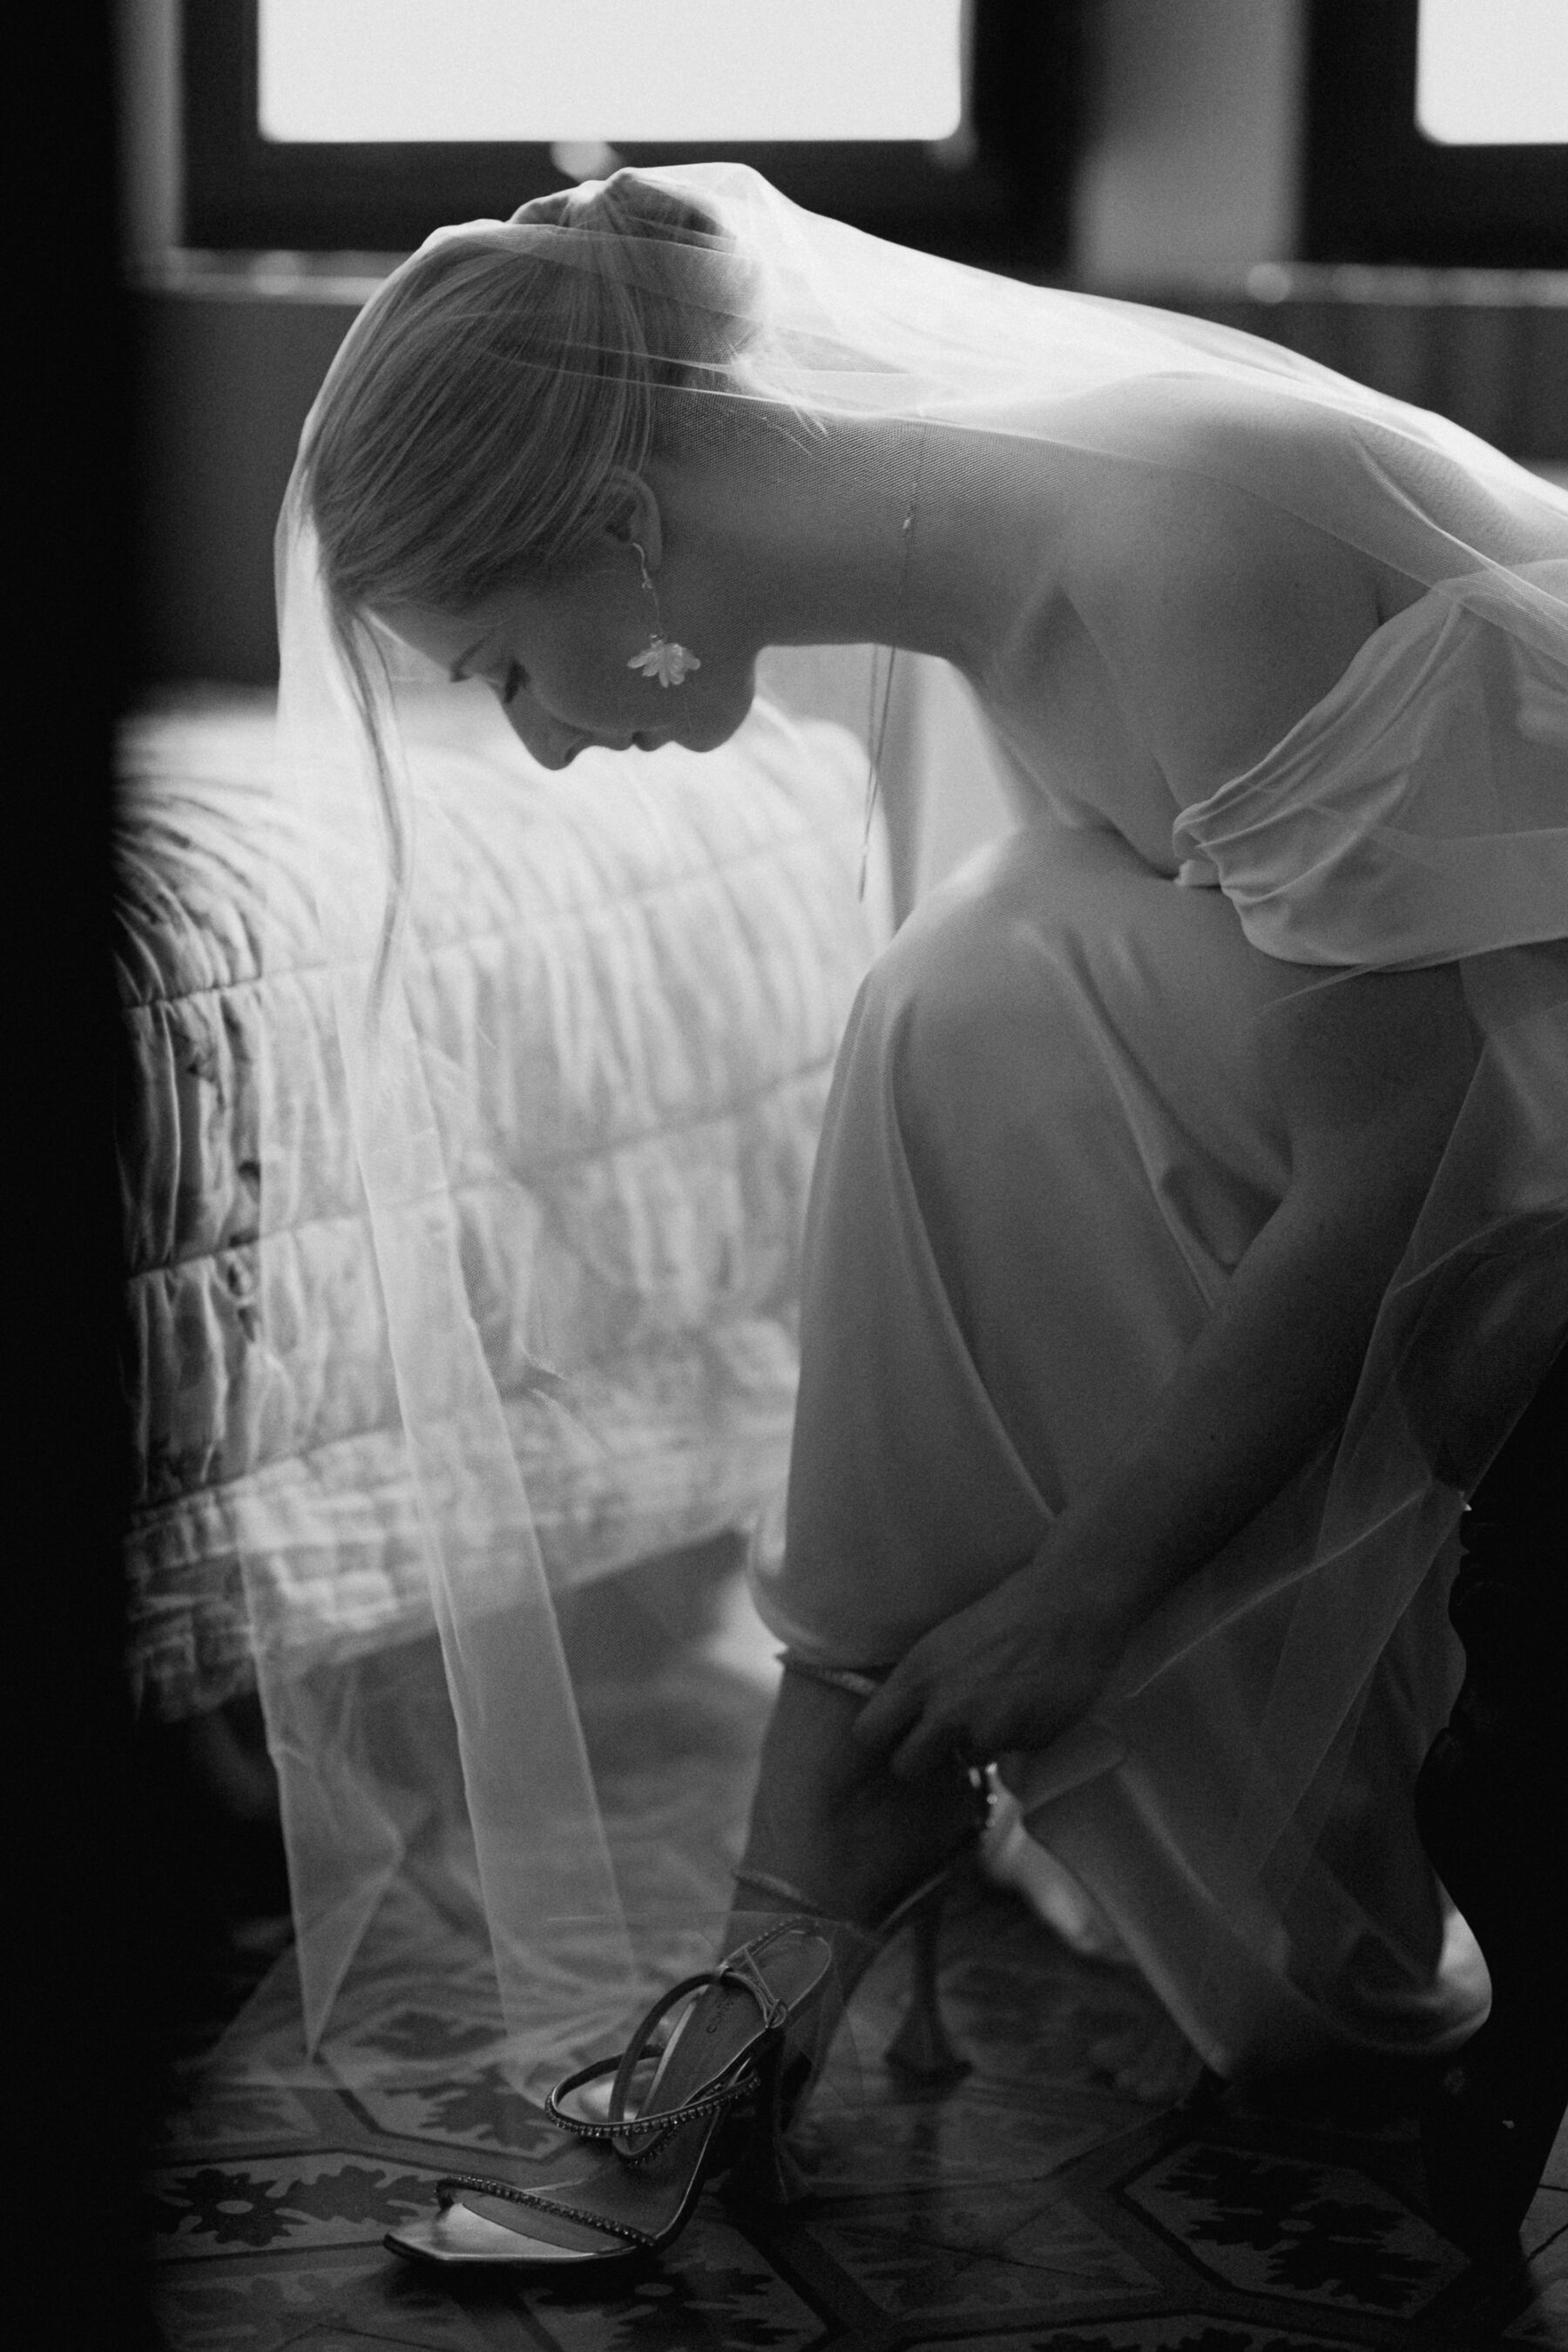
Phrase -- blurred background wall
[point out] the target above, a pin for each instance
(1220, 156)
(1191, 161)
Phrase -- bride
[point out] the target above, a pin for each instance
(1136, 1410)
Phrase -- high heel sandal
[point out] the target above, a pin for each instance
(712, 2099)
(718, 2097)
(921, 2048)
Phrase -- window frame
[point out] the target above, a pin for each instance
(1008, 202)
(1377, 190)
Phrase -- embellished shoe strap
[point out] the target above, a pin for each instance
(448, 2190)
(639, 2136)
(650, 2130)
(782, 1892)
(853, 1679)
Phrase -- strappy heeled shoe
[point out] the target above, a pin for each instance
(712, 2099)
(921, 2048)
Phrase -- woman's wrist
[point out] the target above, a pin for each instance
(1107, 1592)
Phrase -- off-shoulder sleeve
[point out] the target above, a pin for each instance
(1419, 814)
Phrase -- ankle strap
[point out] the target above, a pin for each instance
(853, 1679)
(636, 2136)
(626, 2131)
(783, 1894)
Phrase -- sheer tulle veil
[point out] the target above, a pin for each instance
(446, 1831)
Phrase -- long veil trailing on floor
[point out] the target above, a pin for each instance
(448, 1827)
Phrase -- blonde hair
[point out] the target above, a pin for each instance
(478, 424)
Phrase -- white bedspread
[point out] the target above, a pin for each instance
(659, 956)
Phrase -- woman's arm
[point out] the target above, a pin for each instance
(1221, 621)
(1372, 1070)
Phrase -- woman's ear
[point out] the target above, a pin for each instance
(637, 521)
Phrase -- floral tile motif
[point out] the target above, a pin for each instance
(1276, 2224)
(327, 2198)
(1023, 2208)
(473, 2106)
(413, 2033)
(714, 2293)
(324, 2304)
(223, 2116)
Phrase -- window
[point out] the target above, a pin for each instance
(1434, 133)
(1492, 73)
(593, 72)
(358, 124)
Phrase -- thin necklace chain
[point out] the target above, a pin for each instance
(877, 726)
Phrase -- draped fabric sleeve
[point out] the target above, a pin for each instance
(1419, 814)
(1416, 816)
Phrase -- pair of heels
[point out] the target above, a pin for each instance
(719, 2097)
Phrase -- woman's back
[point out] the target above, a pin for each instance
(1189, 619)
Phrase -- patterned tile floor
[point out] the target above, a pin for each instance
(1027, 2207)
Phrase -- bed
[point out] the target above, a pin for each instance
(668, 951)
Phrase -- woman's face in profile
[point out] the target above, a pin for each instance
(559, 659)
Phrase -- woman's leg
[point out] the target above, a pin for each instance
(1051, 1136)
(989, 1283)
(836, 1825)
(1045, 1147)
(993, 1283)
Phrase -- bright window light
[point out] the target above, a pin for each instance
(591, 71)
(1493, 73)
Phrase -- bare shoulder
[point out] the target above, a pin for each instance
(1222, 617)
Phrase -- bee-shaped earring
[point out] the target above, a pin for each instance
(664, 659)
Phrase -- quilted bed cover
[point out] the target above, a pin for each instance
(657, 957)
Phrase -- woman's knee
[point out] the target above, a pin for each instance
(956, 985)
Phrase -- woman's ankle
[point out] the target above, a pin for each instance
(835, 1827)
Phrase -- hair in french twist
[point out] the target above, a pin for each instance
(478, 426)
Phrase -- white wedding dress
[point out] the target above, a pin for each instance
(1050, 1140)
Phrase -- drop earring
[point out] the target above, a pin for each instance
(664, 659)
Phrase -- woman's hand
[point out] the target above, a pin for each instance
(1369, 1071)
(1013, 1670)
